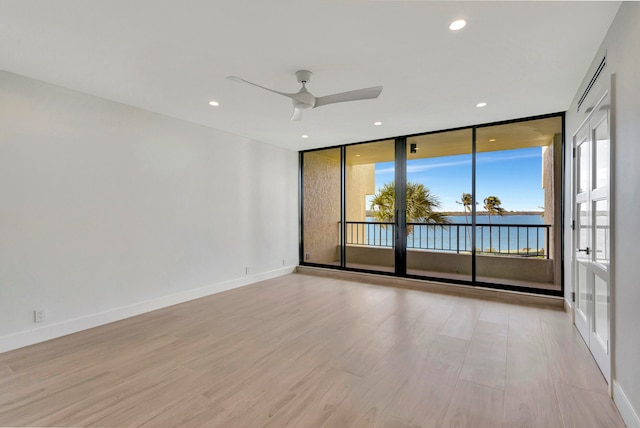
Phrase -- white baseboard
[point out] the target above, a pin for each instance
(628, 413)
(41, 334)
(568, 305)
(568, 309)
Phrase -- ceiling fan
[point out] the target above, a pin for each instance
(304, 100)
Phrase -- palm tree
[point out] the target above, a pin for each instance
(421, 205)
(466, 201)
(492, 206)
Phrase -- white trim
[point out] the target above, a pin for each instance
(628, 413)
(30, 337)
(568, 308)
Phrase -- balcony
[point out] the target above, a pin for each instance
(517, 253)
(516, 240)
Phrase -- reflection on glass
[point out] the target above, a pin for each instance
(601, 133)
(510, 241)
(321, 206)
(601, 244)
(581, 289)
(517, 175)
(602, 309)
(438, 214)
(583, 167)
(583, 227)
(370, 206)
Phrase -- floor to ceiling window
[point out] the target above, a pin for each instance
(518, 186)
(321, 214)
(370, 234)
(440, 244)
(479, 205)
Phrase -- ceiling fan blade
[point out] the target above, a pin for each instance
(358, 94)
(240, 80)
(297, 115)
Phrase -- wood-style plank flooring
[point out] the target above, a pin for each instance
(307, 351)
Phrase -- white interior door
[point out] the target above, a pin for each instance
(591, 237)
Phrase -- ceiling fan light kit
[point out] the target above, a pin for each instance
(304, 100)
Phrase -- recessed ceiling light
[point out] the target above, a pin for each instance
(492, 140)
(214, 103)
(357, 156)
(482, 104)
(378, 123)
(305, 136)
(458, 24)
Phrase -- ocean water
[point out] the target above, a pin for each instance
(506, 234)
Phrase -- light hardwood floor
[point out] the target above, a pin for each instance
(307, 351)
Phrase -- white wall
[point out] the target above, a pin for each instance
(107, 211)
(621, 46)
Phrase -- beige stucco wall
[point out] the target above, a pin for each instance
(360, 183)
(322, 202)
(552, 184)
(555, 234)
(321, 209)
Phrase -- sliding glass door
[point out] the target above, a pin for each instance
(518, 186)
(478, 205)
(370, 208)
(439, 210)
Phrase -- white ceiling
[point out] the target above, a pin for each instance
(172, 57)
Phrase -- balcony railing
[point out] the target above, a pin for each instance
(524, 240)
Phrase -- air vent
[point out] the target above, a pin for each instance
(595, 76)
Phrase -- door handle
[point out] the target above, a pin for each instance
(585, 250)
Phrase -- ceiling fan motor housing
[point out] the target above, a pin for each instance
(303, 99)
(304, 76)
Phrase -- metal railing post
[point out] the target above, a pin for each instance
(548, 244)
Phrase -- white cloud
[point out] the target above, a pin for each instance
(425, 167)
(486, 159)
(480, 159)
(420, 168)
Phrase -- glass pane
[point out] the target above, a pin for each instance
(583, 228)
(518, 173)
(601, 134)
(602, 309)
(370, 206)
(583, 167)
(321, 206)
(439, 205)
(601, 244)
(581, 289)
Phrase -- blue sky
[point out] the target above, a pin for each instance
(514, 176)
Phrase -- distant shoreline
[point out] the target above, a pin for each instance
(463, 214)
(506, 213)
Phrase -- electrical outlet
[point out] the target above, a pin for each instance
(246, 270)
(39, 315)
(307, 256)
(284, 262)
